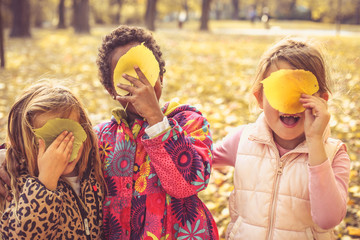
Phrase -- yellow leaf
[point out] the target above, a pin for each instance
(54, 127)
(144, 59)
(353, 231)
(283, 89)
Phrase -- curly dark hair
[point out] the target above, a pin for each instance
(121, 36)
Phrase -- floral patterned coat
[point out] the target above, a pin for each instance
(153, 183)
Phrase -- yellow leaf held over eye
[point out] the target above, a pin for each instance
(144, 59)
(283, 89)
(54, 127)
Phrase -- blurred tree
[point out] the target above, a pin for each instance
(2, 53)
(100, 11)
(61, 13)
(118, 11)
(81, 16)
(205, 11)
(284, 9)
(218, 8)
(235, 4)
(327, 10)
(38, 13)
(117, 16)
(20, 18)
(338, 16)
(357, 12)
(150, 14)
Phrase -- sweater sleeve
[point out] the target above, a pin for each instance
(225, 151)
(37, 213)
(182, 156)
(328, 188)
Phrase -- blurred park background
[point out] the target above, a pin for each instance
(211, 49)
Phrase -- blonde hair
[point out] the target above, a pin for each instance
(301, 54)
(22, 147)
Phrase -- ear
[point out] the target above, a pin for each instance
(325, 96)
(158, 87)
(258, 95)
(112, 92)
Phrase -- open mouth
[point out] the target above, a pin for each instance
(289, 120)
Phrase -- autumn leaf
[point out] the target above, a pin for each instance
(354, 231)
(139, 56)
(54, 127)
(283, 89)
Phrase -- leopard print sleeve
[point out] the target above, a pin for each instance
(37, 215)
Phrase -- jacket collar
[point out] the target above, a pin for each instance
(262, 133)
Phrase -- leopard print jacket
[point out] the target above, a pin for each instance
(59, 214)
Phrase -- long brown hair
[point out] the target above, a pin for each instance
(22, 147)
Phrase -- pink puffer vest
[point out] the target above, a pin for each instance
(271, 196)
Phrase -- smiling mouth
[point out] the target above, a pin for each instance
(289, 120)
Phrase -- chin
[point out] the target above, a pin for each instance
(300, 137)
(69, 170)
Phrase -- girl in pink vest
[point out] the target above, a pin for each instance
(291, 178)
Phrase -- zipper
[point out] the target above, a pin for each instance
(83, 212)
(96, 202)
(279, 171)
(86, 226)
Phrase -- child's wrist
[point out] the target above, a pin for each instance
(50, 182)
(317, 153)
(315, 143)
(155, 119)
(314, 139)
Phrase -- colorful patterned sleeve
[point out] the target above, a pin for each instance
(182, 156)
(104, 146)
(37, 214)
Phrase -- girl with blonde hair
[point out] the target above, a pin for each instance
(291, 178)
(53, 197)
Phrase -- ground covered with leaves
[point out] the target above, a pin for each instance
(208, 70)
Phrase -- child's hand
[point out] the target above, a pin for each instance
(54, 160)
(316, 116)
(142, 97)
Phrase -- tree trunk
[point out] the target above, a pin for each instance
(235, 4)
(61, 12)
(357, 14)
(21, 18)
(218, 10)
(81, 16)
(115, 19)
(39, 14)
(338, 17)
(150, 14)
(205, 11)
(2, 53)
(293, 5)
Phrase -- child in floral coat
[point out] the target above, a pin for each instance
(156, 159)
